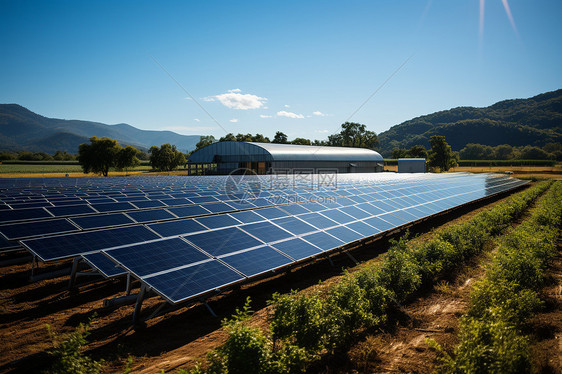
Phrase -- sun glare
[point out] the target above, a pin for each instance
(507, 12)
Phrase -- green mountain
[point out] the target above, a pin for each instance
(21, 129)
(535, 121)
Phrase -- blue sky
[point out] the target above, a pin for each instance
(301, 67)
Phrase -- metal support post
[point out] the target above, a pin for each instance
(138, 306)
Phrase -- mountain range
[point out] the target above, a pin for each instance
(21, 129)
(535, 121)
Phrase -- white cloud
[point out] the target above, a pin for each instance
(208, 98)
(319, 113)
(283, 113)
(233, 99)
(287, 106)
(322, 131)
(197, 120)
(265, 116)
(234, 120)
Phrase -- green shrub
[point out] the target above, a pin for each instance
(67, 355)
(299, 319)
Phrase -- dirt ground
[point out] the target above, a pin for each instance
(179, 338)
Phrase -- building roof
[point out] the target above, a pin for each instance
(283, 152)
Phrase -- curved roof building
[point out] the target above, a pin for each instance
(271, 158)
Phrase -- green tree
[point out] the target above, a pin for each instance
(417, 151)
(98, 156)
(280, 138)
(259, 138)
(503, 152)
(127, 158)
(441, 155)
(166, 158)
(399, 153)
(243, 137)
(533, 153)
(228, 138)
(301, 141)
(474, 151)
(205, 141)
(354, 135)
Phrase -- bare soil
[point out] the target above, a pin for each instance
(182, 337)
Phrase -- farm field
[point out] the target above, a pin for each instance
(183, 337)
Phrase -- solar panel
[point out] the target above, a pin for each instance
(173, 228)
(102, 220)
(179, 201)
(29, 229)
(294, 209)
(113, 207)
(355, 212)
(271, 213)
(266, 231)
(202, 199)
(297, 248)
(323, 241)
(104, 265)
(345, 234)
(150, 215)
(71, 245)
(247, 216)
(189, 211)
(317, 220)
(294, 225)
(157, 256)
(192, 281)
(218, 207)
(70, 210)
(394, 219)
(363, 228)
(338, 216)
(379, 223)
(23, 214)
(223, 241)
(256, 261)
(218, 221)
(148, 204)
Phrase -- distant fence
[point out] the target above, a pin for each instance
(485, 163)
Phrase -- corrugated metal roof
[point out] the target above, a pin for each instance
(284, 152)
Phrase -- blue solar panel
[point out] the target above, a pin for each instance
(29, 229)
(70, 210)
(344, 234)
(148, 204)
(256, 261)
(189, 211)
(172, 202)
(150, 215)
(392, 218)
(218, 221)
(192, 281)
(149, 258)
(379, 223)
(266, 231)
(363, 228)
(355, 212)
(37, 204)
(294, 209)
(71, 245)
(338, 216)
(220, 242)
(247, 216)
(297, 248)
(180, 227)
(313, 207)
(113, 207)
(318, 220)
(202, 199)
(104, 265)
(323, 241)
(271, 213)
(94, 200)
(294, 225)
(371, 208)
(6, 245)
(219, 207)
(102, 220)
(23, 214)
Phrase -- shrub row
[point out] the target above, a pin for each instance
(305, 326)
(490, 335)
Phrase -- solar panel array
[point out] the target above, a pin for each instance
(187, 236)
